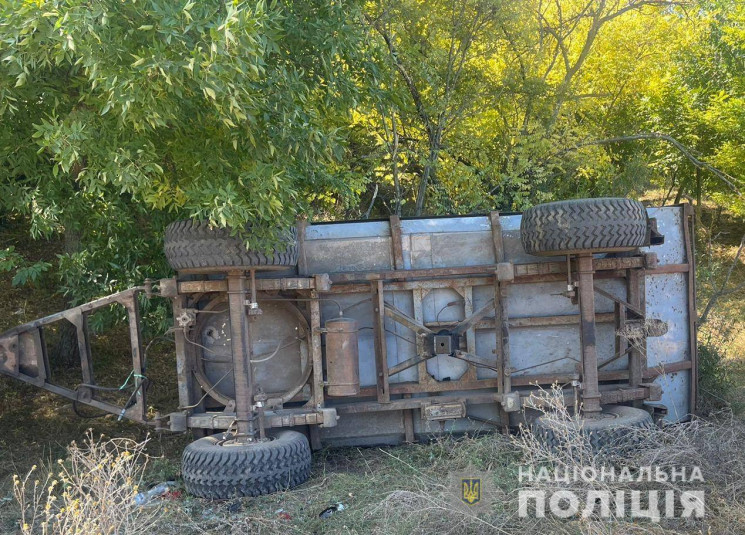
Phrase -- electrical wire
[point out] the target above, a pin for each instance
(305, 299)
(475, 363)
(295, 341)
(207, 393)
(145, 381)
(258, 361)
(358, 303)
(450, 304)
(390, 332)
(144, 385)
(192, 342)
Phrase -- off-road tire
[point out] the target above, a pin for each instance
(615, 430)
(584, 225)
(213, 470)
(195, 246)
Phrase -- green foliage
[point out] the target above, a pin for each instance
(9, 259)
(118, 117)
(219, 111)
(25, 272)
(716, 378)
(30, 273)
(498, 102)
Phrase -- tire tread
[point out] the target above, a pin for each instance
(212, 471)
(193, 244)
(583, 225)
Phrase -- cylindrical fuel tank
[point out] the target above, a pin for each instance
(342, 357)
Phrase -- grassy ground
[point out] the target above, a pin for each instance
(385, 490)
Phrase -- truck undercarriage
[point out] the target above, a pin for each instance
(387, 331)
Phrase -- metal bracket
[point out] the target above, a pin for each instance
(168, 287)
(177, 421)
(653, 235)
(444, 411)
(322, 282)
(187, 318)
(654, 391)
(253, 308)
(444, 344)
(505, 272)
(330, 417)
(650, 260)
(511, 402)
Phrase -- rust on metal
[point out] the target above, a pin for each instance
(633, 307)
(342, 357)
(397, 242)
(240, 345)
(395, 314)
(688, 233)
(135, 339)
(501, 325)
(272, 419)
(415, 403)
(590, 393)
(483, 290)
(444, 410)
(381, 350)
(184, 362)
(425, 379)
(636, 291)
(262, 285)
(316, 351)
(302, 261)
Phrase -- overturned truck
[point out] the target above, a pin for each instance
(379, 332)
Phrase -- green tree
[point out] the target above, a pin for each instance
(700, 101)
(488, 95)
(117, 117)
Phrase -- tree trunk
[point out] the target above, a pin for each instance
(679, 195)
(394, 162)
(430, 170)
(669, 192)
(697, 211)
(65, 354)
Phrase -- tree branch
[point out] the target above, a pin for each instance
(639, 4)
(401, 68)
(724, 177)
(722, 291)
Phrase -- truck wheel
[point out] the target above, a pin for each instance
(195, 246)
(610, 430)
(584, 225)
(218, 468)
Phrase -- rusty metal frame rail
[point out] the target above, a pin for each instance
(527, 270)
(461, 279)
(24, 356)
(423, 280)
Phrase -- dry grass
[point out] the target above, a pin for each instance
(411, 489)
(91, 492)
(713, 445)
